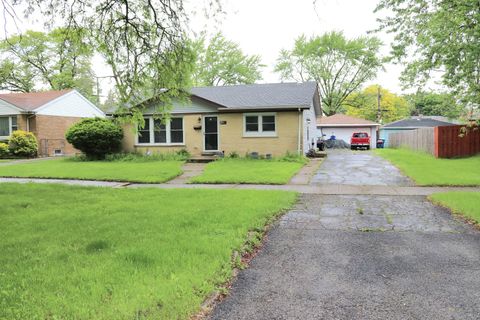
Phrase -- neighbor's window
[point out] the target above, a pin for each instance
(259, 124)
(8, 125)
(14, 126)
(156, 132)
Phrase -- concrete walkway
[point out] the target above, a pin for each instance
(306, 189)
(17, 161)
(190, 170)
(304, 176)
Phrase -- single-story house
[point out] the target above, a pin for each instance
(264, 118)
(411, 123)
(342, 127)
(47, 115)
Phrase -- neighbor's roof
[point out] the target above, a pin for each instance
(30, 101)
(342, 120)
(257, 96)
(417, 122)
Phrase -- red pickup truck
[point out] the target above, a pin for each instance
(360, 140)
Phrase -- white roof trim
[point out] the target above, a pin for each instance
(14, 106)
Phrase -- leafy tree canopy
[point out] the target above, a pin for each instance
(339, 65)
(435, 104)
(222, 62)
(436, 35)
(364, 105)
(142, 41)
(58, 60)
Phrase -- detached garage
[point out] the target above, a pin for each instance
(342, 127)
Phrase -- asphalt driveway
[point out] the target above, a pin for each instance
(361, 257)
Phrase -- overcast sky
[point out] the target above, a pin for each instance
(265, 27)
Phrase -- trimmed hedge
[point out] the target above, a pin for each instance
(96, 137)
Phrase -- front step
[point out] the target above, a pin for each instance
(202, 159)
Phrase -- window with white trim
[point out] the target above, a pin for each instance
(157, 133)
(260, 124)
(8, 125)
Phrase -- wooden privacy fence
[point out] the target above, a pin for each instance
(449, 144)
(418, 139)
(442, 142)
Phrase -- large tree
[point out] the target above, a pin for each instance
(222, 62)
(435, 104)
(364, 104)
(56, 60)
(436, 37)
(143, 42)
(339, 65)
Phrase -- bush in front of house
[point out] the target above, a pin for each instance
(4, 152)
(96, 137)
(22, 144)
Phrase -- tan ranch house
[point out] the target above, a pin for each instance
(271, 119)
(48, 115)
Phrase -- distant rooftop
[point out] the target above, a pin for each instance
(417, 122)
(343, 120)
(30, 101)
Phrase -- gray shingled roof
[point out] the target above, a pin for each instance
(255, 96)
(417, 123)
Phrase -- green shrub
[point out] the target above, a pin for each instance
(23, 144)
(4, 152)
(96, 137)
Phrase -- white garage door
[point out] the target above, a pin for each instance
(345, 133)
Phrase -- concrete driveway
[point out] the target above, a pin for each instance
(361, 257)
(358, 168)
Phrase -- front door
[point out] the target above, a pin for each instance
(211, 133)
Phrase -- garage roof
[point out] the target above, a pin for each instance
(342, 120)
(416, 122)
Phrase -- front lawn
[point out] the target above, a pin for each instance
(465, 203)
(249, 171)
(154, 171)
(70, 252)
(427, 170)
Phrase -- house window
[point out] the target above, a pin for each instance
(157, 133)
(260, 125)
(7, 126)
(144, 133)
(176, 130)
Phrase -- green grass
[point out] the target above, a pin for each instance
(97, 253)
(466, 204)
(427, 170)
(128, 171)
(249, 171)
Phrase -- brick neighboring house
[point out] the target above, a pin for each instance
(47, 115)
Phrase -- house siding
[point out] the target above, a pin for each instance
(231, 137)
(50, 132)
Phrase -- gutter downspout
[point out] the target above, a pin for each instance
(28, 120)
(299, 131)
